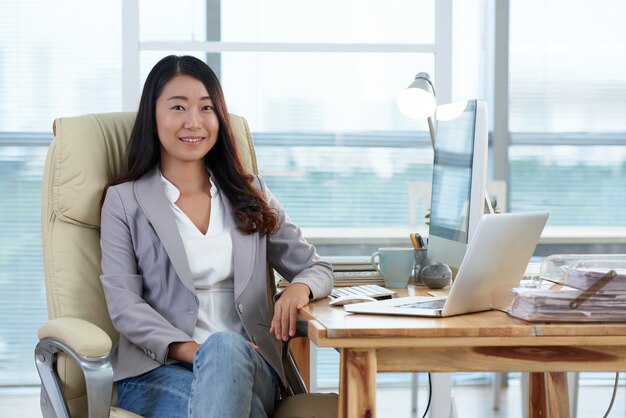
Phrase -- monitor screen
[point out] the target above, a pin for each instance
(458, 185)
(452, 176)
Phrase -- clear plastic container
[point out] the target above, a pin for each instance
(556, 267)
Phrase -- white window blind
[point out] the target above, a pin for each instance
(57, 59)
(568, 66)
(567, 107)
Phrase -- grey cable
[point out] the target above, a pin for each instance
(612, 397)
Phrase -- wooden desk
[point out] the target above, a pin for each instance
(482, 342)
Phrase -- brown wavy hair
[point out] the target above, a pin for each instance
(252, 212)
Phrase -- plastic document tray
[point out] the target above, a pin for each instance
(587, 288)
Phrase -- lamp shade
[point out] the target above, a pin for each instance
(418, 100)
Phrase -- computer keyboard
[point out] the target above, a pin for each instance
(371, 290)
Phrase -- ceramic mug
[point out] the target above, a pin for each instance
(395, 264)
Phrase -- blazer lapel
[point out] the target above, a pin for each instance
(244, 252)
(152, 199)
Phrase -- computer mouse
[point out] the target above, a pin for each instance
(344, 300)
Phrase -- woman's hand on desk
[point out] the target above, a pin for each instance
(293, 298)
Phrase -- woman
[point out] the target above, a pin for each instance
(186, 236)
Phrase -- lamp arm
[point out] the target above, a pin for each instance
(431, 124)
(431, 129)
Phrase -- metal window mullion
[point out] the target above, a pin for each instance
(130, 55)
(500, 109)
(217, 46)
(567, 139)
(443, 50)
(214, 33)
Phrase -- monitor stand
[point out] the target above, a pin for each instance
(487, 210)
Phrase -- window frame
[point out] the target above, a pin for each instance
(132, 46)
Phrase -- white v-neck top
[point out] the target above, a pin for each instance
(210, 259)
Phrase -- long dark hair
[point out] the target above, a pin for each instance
(143, 153)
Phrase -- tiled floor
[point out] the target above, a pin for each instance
(470, 402)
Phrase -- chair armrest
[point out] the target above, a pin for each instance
(85, 338)
(86, 344)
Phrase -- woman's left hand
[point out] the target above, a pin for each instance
(293, 298)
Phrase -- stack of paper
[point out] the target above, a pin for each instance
(356, 278)
(582, 277)
(355, 271)
(351, 271)
(556, 306)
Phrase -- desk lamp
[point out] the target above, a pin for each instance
(418, 101)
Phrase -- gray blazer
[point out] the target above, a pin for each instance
(148, 285)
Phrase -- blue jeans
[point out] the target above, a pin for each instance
(228, 379)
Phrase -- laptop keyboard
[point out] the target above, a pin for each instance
(371, 290)
(427, 304)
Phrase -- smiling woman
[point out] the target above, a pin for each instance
(196, 334)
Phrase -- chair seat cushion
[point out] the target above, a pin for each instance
(308, 405)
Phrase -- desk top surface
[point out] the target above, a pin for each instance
(335, 323)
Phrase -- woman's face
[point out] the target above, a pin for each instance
(186, 122)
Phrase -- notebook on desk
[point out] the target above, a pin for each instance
(498, 255)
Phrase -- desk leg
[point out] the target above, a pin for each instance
(357, 383)
(537, 406)
(558, 400)
(548, 393)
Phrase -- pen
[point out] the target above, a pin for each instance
(416, 240)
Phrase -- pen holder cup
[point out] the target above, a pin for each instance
(420, 260)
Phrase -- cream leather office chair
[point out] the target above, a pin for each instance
(72, 355)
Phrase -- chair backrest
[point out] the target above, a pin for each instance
(86, 153)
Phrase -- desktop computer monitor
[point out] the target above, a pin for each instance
(459, 181)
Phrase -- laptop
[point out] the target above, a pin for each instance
(498, 255)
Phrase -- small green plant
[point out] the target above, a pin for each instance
(494, 206)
